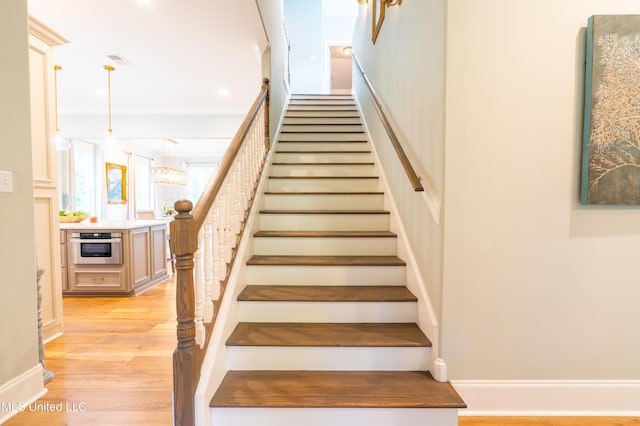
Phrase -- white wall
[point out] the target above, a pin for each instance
(272, 12)
(406, 66)
(536, 286)
(304, 27)
(527, 283)
(18, 314)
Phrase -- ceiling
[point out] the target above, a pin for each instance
(184, 57)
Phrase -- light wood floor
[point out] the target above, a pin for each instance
(114, 360)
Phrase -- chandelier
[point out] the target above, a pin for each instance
(168, 176)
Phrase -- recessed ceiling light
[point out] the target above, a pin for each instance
(144, 1)
(223, 93)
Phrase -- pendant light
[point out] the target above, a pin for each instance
(61, 143)
(109, 141)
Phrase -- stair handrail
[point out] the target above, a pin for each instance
(211, 230)
(413, 176)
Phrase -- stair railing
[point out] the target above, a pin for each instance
(413, 176)
(204, 243)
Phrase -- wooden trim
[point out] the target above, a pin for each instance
(413, 176)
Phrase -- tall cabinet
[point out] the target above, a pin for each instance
(45, 175)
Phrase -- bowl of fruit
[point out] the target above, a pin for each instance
(72, 217)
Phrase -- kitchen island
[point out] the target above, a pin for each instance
(113, 258)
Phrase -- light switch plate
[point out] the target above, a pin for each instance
(6, 181)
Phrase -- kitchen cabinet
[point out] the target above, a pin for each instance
(143, 264)
(140, 256)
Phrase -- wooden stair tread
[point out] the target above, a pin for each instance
(324, 212)
(326, 260)
(323, 177)
(323, 293)
(321, 164)
(323, 193)
(331, 234)
(323, 152)
(328, 335)
(335, 389)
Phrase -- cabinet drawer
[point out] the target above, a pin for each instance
(103, 281)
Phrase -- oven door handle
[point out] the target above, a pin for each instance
(112, 240)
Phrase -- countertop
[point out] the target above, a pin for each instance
(113, 224)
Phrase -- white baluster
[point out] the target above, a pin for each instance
(207, 313)
(216, 249)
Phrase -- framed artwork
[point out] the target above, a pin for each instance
(116, 183)
(611, 135)
(377, 13)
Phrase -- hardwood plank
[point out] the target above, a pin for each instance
(366, 335)
(547, 421)
(321, 152)
(336, 389)
(331, 234)
(326, 260)
(325, 193)
(269, 211)
(320, 293)
(322, 164)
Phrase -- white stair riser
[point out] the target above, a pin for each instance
(324, 146)
(322, 137)
(334, 416)
(325, 246)
(322, 102)
(324, 170)
(322, 97)
(325, 113)
(324, 201)
(324, 222)
(328, 157)
(321, 128)
(389, 312)
(325, 275)
(321, 120)
(323, 185)
(327, 358)
(321, 108)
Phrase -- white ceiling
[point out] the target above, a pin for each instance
(182, 53)
(186, 56)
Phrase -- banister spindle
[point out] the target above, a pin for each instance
(207, 308)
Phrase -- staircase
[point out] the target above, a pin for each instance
(327, 332)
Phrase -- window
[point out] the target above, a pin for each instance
(198, 176)
(143, 189)
(84, 174)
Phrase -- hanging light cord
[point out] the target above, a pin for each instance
(109, 68)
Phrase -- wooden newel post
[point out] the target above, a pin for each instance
(186, 363)
(267, 138)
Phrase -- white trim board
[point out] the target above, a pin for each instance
(549, 397)
(25, 389)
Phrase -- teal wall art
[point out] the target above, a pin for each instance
(611, 138)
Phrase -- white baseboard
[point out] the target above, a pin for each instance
(19, 392)
(549, 397)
